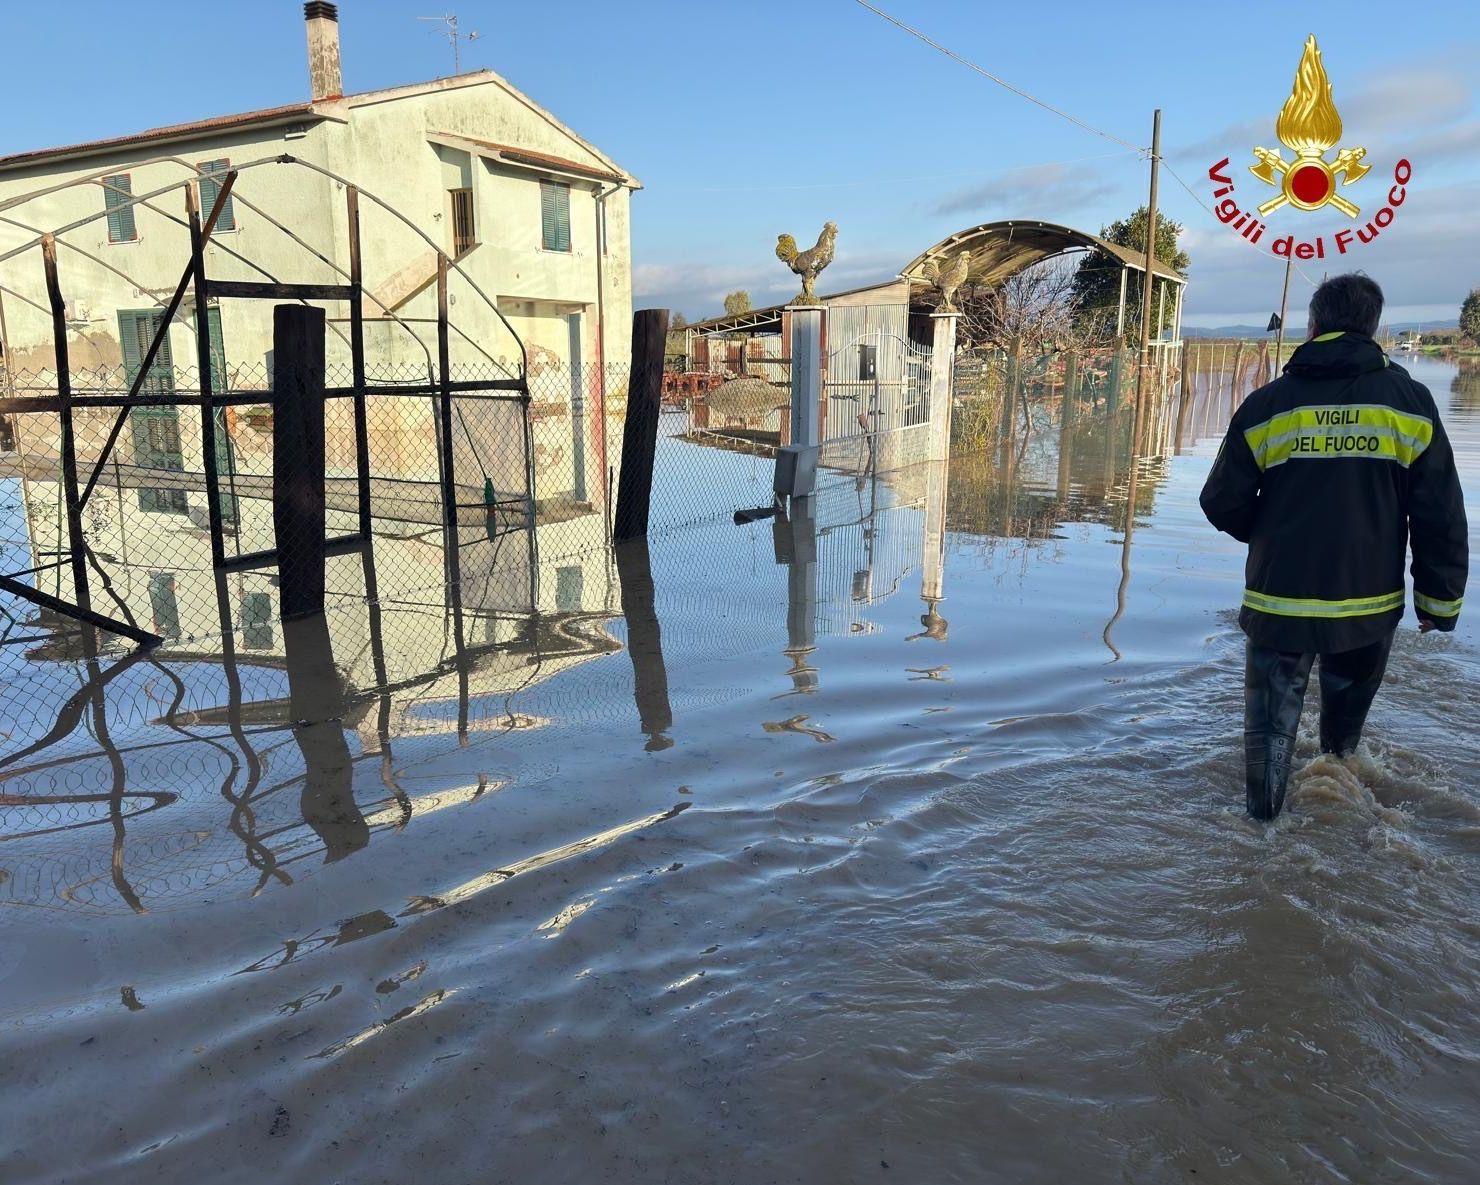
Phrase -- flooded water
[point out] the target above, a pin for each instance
(902, 842)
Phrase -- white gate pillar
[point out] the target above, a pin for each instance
(796, 462)
(942, 383)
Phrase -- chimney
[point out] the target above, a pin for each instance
(324, 76)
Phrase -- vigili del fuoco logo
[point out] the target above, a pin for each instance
(1309, 126)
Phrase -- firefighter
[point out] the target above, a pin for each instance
(1327, 474)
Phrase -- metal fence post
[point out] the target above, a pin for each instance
(210, 462)
(448, 471)
(76, 539)
(640, 435)
(298, 457)
(357, 359)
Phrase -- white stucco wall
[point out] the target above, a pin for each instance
(384, 143)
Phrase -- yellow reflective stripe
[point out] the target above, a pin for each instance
(1313, 607)
(1317, 444)
(1436, 607)
(1328, 337)
(1341, 430)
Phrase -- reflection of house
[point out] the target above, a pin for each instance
(536, 216)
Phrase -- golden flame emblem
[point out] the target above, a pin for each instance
(1309, 126)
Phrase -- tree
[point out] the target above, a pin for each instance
(1469, 316)
(737, 302)
(1097, 279)
(1032, 310)
(675, 345)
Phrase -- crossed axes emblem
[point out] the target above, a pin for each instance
(1308, 182)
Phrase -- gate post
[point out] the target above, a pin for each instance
(298, 457)
(942, 382)
(796, 461)
(640, 433)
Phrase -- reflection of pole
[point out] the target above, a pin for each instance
(795, 540)
(933, 549)
(1125, 549)
(644, 642)
(316, 698)
(1066, 446)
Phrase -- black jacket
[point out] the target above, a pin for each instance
(1325, 473)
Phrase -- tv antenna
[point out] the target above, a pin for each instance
(449, 30)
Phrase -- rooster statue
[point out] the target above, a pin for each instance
(947, 280)
(808, 264)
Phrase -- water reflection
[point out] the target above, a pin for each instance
(357, 714)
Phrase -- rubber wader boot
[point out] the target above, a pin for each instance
(1349, 683)
(1274, 691)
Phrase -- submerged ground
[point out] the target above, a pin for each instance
(787, 875)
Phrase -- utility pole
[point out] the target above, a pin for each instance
(452, 35)
(1149, 274)
(1279, 334)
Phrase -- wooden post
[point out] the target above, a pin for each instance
(1148, 274)
(640, 435)
(1279, 336)
(298, 457)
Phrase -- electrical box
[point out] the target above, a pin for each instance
(868, 363)
(796, 471)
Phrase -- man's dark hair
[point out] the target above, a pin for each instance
(1348, 304)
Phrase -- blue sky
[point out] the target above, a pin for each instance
(755, 117)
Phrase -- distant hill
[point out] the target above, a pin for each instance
(1257, 331)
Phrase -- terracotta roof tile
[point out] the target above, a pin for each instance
(169, 132)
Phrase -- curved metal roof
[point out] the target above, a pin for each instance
(1002, 249)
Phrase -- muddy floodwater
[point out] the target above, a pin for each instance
(902, 843)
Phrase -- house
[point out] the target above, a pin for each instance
(536, 215)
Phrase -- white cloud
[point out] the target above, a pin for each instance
(1041, 191)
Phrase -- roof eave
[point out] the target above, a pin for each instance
(40, 158)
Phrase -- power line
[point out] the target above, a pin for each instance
(902, 179)
(970, 65)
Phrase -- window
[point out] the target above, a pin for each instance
(117, 190)
(210, 187)
(464, 236)
(555, 215)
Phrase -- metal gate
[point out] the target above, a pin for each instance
(877, 382)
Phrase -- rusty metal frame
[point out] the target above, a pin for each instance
(440, 384)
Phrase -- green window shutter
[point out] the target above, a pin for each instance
(209, 188)
(555, 215)
(116, 193)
